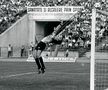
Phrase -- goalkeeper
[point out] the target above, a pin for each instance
(46, 40)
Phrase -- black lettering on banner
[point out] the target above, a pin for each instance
(54, 9)
(44, 9)
(76, 9)
(67, 9)
(30, 10)
(34, 9)
(38, 10)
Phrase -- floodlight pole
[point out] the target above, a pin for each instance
(92, 62)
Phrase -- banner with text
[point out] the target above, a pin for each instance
(54, 13)
(57, 9)
(54, 59)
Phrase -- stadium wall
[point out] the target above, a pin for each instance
(17, 34)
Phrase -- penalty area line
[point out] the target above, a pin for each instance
(15, 75)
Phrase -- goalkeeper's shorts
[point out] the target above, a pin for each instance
(40, 46)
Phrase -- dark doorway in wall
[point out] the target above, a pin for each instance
(44, 28)
(49, 27)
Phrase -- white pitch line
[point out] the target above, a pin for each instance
(14, 75)
(67, 73)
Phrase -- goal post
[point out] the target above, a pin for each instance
(92, 62)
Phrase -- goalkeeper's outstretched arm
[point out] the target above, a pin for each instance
(63, 24)
(61, 27)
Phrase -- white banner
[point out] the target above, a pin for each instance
(57, 9)
(52, 13)
(54, 59)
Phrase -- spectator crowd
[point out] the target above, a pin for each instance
(10, 12)
(79, 32)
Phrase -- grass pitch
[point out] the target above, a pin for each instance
(58, 76)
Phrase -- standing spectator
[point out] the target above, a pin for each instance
(67, 53)
(81, 49)
(73, 43)
(88, 44)
(22, 50)
(9, 50)
(32, 46)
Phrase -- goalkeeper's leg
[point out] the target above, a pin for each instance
(38, 65)
(37, 55)
(42, 64)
